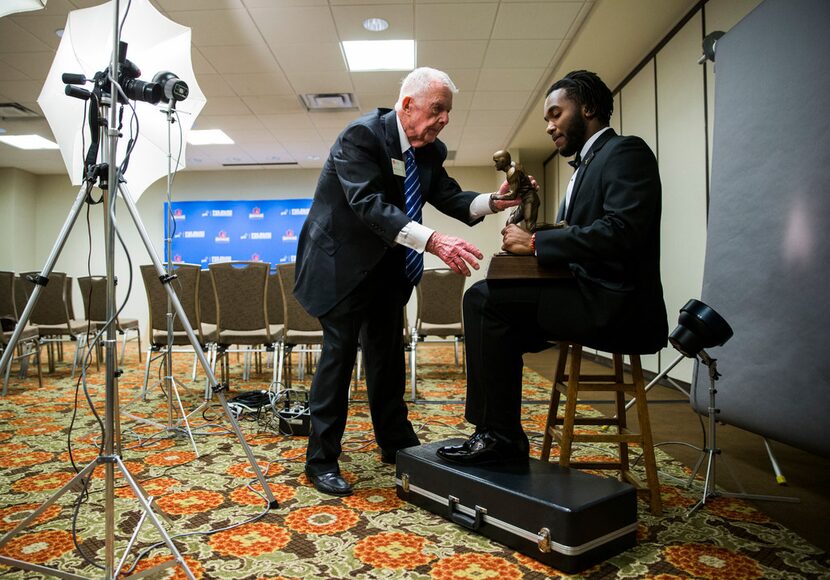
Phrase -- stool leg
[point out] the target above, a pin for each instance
(553, 408)
(570, 406)
(619, 379)
(649, 461)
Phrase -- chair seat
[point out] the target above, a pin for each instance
(443, 330)
(304, 337)
(251, 337)
(29, 332)
(74, 327)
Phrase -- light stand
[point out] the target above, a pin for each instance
(111, 450)
(700, 327)
(172, 427)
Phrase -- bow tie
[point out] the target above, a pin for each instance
(575, 162)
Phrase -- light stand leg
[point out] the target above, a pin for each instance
(711, 452)
(194, 341)
(63, 235)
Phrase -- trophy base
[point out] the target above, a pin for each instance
(505, 266)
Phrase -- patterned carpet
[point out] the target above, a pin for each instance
(371, 534)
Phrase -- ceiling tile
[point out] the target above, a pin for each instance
(519, 79)
(535, 19)
(218, 27)
(305, 82)
(291, 135)
(215, 86)
(287, 121)
(273, 105)
(225, 106)
(385, 83)
(176, 5)
(295, 24)
(283, 3)
(321, 57)
(14, 38)
(454, 21)
(43, 28)
(253, 58)
(492, 100)
(250, 136)
(19, 91)
(9, 73)
(349, 21)
(442, 54)
(200, 63)
(240, 122)
(245, 85)
(369, 101)
(465, 79)
(497, 118)
(333, 120)
(523, 53)
(35, 65)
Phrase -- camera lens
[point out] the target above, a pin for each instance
(142, 91)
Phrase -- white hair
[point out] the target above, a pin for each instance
(419, 80)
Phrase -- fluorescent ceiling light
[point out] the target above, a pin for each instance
(11, 6)
(366, 55)
(209, 137)
(28, 142)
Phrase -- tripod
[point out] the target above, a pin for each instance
(110, 455)
(710, 453)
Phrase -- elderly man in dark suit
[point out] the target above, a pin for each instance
(361, 252)
(610, 243)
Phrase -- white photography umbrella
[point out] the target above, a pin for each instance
(154, 44)
(12, 6)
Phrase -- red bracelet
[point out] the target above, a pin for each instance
(533, 243)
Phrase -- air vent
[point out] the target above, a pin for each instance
(259, 164)
(16, 111)
(328, 101)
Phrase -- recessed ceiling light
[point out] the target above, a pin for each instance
(59, 33)
(375, 24)
(209, 137)
(373, 55)
(313, 158)
(28, 142)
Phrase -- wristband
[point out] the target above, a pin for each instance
(492, 205)
(533, 243)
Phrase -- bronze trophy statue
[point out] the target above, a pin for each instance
(525, 214)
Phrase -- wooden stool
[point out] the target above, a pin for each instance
(562, 427)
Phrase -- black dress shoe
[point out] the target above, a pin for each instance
(331, 483)
(484, 447)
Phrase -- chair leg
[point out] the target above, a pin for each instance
(413, 360)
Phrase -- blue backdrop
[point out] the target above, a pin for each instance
(266, 230)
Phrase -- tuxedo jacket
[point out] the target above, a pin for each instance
(612, 244)
(359, 209)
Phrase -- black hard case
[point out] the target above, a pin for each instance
(560, 516)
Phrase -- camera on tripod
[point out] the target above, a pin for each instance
(165, 86)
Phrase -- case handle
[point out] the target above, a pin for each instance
(462, 519)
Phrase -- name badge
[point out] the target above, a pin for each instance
(398, 167)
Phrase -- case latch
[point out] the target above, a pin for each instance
(544, 540)
(405, 482)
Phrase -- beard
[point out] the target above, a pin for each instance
(575, 136)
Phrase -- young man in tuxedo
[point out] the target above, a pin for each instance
(611, 244)
(361, 252)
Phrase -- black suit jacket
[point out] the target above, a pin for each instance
(358, 209)
(612, 244)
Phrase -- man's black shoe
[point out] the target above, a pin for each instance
(483, 447)
(331, 483)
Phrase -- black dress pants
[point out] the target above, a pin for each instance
(502, 321)
(371, 316)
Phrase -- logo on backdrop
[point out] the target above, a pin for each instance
(178, 258)
(256, 257)
(256, 214)
(178, 214)
(222, 237)
(192, 234)
(221, 213)
(289, 235)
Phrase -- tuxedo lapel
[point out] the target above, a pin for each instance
(585, 167)
(393, 146)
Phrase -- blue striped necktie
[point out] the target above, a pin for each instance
(412, 187)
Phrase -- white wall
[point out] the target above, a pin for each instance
(36, 207)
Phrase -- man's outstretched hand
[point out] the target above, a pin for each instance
(454, 252)
(515, 240)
